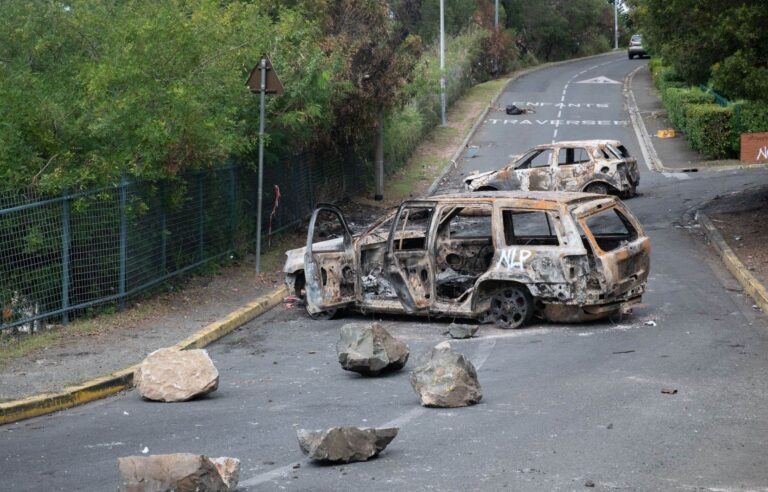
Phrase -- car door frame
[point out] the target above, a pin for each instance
(410, 289)
(545, 172)
(320, 295)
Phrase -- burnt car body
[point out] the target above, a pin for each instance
(492, 256)
(593, 166)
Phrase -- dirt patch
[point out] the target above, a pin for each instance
(741, 218)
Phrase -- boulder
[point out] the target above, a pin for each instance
(180, 472)
(229, 469)
(176, 375)
(444, 378)
(345, 444)
(461, 331)
(370, 349)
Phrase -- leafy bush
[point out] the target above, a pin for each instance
(753, 117)
(710, 129)
(676, 100)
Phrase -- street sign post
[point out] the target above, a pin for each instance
(268, 83)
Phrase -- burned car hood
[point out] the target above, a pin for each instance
(295, 257)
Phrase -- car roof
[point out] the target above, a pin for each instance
(593, 142)
(553, 198)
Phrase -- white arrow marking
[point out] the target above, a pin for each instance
(599, 80)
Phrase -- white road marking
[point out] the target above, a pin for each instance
(599, 80)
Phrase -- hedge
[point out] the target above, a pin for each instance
(753, 117)
(676, 100)
(710, 129)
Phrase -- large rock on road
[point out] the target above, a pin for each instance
(180, 472)
(176, 375)
(369, 349)
(345, 444)
(445, 378)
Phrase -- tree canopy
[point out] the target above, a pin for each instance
(717, 42)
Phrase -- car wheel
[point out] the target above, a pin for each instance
(599, 188)
(511, 307)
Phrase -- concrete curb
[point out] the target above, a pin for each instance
(121, 380)
(641, 132)
(751, 285)
(455, 158)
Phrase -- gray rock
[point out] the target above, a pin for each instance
(345, 444)
(461, 331)
(176, 375)
(370, 349)
(180, 472)
(444, 378)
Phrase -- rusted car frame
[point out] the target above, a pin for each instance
(493, 256)
(594, 166)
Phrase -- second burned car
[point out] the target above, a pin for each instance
(593, 166)
(493, 256)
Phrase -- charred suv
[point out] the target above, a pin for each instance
(593, 166)
(493, 256)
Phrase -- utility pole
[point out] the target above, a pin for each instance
(496, 33)
(262, 112)
(615, 24)
(379, 158)
(442, 62)
(263, 80)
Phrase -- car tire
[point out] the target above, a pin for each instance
(599, 188)
(631, 56)
(511, 307)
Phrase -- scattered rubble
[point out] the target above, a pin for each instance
(461, 331)
(176, 375)
(444, 378)
(370, 349)
(179, 472)
(345, 444)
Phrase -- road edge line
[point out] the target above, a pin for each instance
(462, 147)
(121, 380)
(753, 287)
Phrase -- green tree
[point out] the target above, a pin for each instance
(717, 41)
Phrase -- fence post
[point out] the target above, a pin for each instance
(163, 233)
(200, 221)
(123, 238)
(65, 241)
(232, 207)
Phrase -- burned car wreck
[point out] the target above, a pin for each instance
(593, 166)
(499, 257)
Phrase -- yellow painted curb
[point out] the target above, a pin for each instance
(123, 379)
(751, 285)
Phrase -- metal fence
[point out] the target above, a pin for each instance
(61, 255)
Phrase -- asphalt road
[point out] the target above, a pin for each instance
(562, 405)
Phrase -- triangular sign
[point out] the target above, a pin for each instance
(273, 85)
(598, 80)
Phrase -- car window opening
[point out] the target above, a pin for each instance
(528, 228)
(463, 250)
(611, 229)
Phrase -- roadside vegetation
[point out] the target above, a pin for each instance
(710, 68)
(94, 92)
